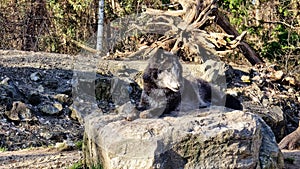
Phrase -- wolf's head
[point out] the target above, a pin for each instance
(165, 70)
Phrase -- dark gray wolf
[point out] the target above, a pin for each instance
(165, 90)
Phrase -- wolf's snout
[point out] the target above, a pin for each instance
(175, 87)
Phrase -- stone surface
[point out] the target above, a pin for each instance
(200, 139)
(273, 116)
(19, 112)
(50, 108)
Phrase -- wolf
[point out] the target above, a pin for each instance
(166, 90)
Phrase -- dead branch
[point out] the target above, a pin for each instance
(160, 12)
(277, 22)
(185, 35)
(247, 51)
(87, 48)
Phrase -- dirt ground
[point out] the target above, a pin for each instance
(292, 159)
(51, 158)
(38, 158)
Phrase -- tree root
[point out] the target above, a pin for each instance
(291, 141)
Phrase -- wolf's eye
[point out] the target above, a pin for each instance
(155, 74)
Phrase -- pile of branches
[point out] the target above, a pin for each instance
(184, 31)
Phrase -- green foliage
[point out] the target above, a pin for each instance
(98, 166)
(237, 8)
(233, 4)
(53, 25)
(3, 149)
(70, 20)
(128, 7)
(78, 144)
(270, 26)
(285, 42)
(77, 165)
(47, 25)
(289, 160)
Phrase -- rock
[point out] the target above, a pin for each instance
(65, 145)
(58, 106)
(40, 89)
(65, 89)
(126, 108)
(81, 109)
(11, 91)
(75, 115)
(273, 116)
(245, 79)
(63, 99)
(19, 112)
(198, 139)
(113, 91)
(47, 135)
(22, 123)
(278, 123)
(5, 81)
(51, 84)
(36, 76)
(6, 99)
(50, 109)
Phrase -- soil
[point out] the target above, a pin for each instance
(26, 142)
(291, 159)
(37, 158)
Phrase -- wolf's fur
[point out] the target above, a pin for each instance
(162, 83)
(165, 89)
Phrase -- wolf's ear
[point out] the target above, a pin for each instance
(150, 75)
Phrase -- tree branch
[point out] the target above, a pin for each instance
(247, 51)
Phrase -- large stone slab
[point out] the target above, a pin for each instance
(207, 138)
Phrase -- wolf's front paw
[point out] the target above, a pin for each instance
(132, 116)
(152, 113)
(146, 114)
